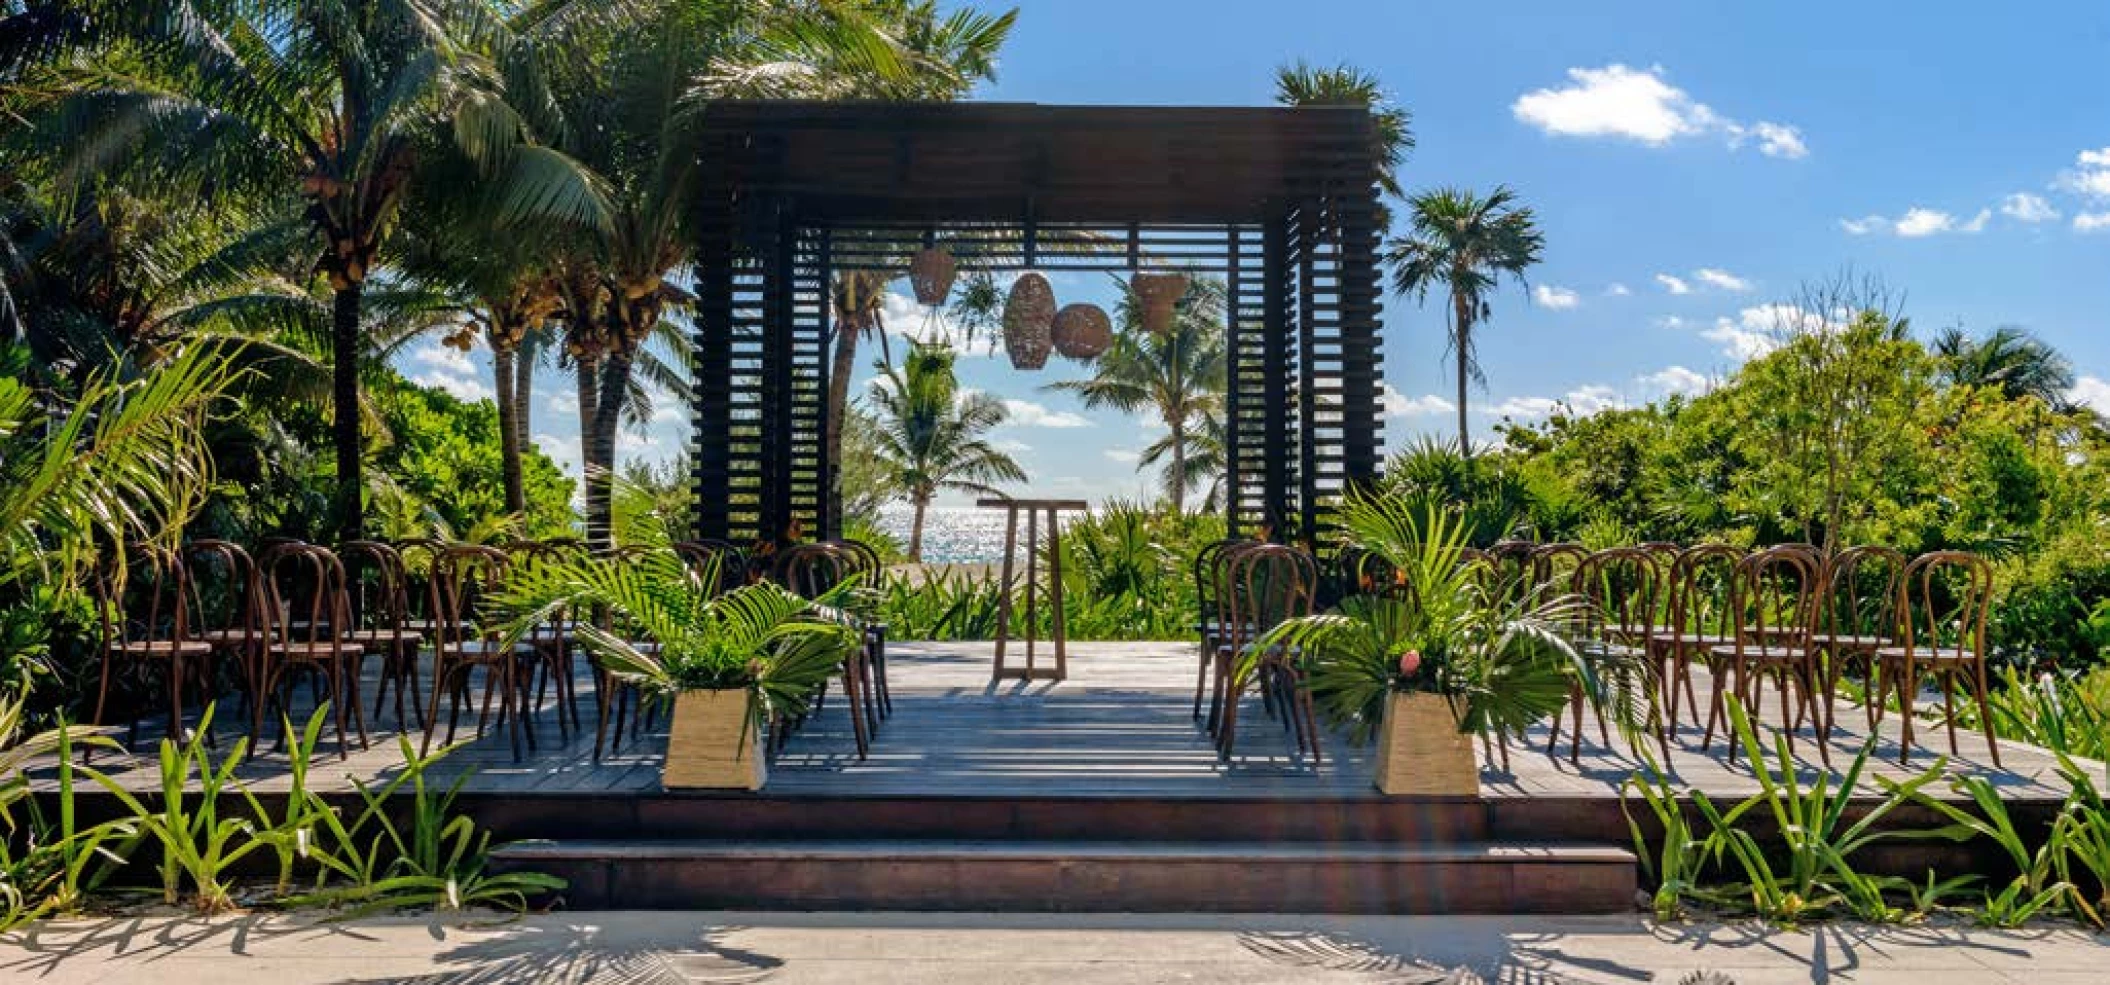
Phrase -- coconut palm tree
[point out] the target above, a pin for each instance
(1178, 374)
(2010, 360)
(331, 101)
(1465, 244)
(932, 436)
(1303, 84)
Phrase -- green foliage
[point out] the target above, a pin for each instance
(933, 436)
(443, 453)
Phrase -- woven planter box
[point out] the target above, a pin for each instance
(931, 275)
(1082, 331)
(715, 743)
(1029, 322)
(1157, 297)
(1420, 751)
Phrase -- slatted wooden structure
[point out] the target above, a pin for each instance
(1279, 204)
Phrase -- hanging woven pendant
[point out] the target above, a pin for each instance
(1082, 331)
(1157, 295)
(1029, 321)
(931, 275)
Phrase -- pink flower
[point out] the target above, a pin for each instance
(1409, 663)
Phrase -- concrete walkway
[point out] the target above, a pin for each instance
(958, 949)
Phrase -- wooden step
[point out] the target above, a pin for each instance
(1059, 876)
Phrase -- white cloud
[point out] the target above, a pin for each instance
(1026, 413)
(1779, 140)
(2092, 392)
(1127, 456)
(1716, 277)
(449, 369)
(1675, 285)
(1916, 223)
(1740, 344)
(1398, 404)
(1557, 298)
(2025, 207)
(565, 450)
(2090, 175)
(2091, 222)
(1677, 379)
(1584, 400)
(1622, 102)
(1670, 321)
(1011, 446)
(905, 319)
(1617, 290)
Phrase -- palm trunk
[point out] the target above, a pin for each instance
(1462, 335)
(503, 359)
(523, 392)
(344, 402)
(838, 403)
(915, 528)
(600, 450)
(1179, 469)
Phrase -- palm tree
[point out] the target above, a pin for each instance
(2010, 360)
(1466, 244)
(1303, 84)
(932, 435)
(330, 100)
(1179, 374)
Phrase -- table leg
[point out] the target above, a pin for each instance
(1061, 634)
(1003, 601)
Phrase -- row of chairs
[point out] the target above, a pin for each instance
(1792, 615)
(211, 611)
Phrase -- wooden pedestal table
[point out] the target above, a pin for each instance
(1032, 508)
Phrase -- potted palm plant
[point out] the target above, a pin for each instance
(1440, 656)
(731, 663)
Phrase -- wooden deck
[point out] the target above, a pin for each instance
(1120, 727)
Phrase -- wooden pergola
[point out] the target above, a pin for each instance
(1280, 204)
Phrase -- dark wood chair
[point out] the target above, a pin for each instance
(811, 571)
(1942, 602)
(379, 586)
(1210, 618)
(1774, 600)
(466, 639)
(1856, 616)
(307, 615)
(1700, 620)
(227, 612)
(142, 602)
(1264, 585)
(1621, 590)
(553, 639)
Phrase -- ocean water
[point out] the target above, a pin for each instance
(954, 534)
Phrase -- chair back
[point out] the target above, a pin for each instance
(378, 585)
(1861, 591)
(716, 565)
(229, 601)
(1774, 598)
(141, 596)
(305, 601)
(1265, 584)
(1943, 598)
(1623, 592)
(812, 570)
(1554, 566)
(1700, 588)
(463, 578)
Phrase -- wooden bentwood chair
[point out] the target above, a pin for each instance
(1941, 611)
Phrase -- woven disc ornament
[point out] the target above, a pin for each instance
(1029, 321)
(1082, 331)
(931, 275)
(1157, 295)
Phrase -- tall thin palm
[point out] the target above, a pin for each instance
(1178, 374)
(933, 436)
(2010, 360)
(1465, 244)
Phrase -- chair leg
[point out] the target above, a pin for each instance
(1907, 681)
(175, 686)
(1201, 674)
(1948, 704)
(1985, 716)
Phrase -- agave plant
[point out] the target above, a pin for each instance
(1505, 655)
(759, 638)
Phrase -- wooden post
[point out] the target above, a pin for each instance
(1059, 628)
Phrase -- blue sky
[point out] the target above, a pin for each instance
(1690, 163)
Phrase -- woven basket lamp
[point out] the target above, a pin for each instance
(1157, 295)
(1082, 331)
(1029, 321)
(931, 274)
